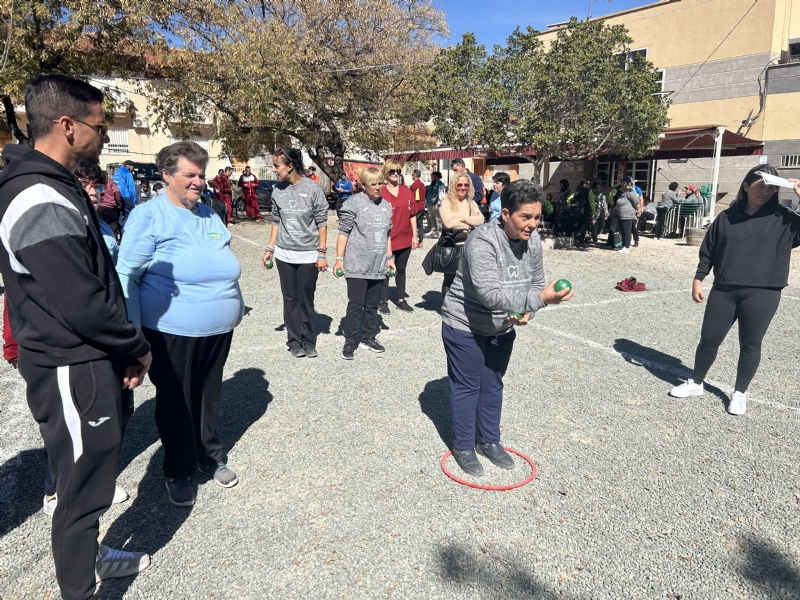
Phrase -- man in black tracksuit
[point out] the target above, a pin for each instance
(78, 353)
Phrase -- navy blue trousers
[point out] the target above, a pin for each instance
(475, 366)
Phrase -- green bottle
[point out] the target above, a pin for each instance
(562, 284)
(339, 272)
(269, 263)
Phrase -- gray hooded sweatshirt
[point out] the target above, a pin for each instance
(299, 211)
(628, 203)
(495, 276)
(367, 225)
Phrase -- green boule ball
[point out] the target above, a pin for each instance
(515, 315)
(562, 284)
(390, 272)
(270, 263)
(339, 273)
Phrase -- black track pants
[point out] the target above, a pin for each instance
(362, 299)
(754, 308)
(298, 286)
(78, 408)
(187, 373)
(401, 262)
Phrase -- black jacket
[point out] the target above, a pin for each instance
(65, 300)
(750, 250)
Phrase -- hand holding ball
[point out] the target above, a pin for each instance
(269, 263)
(339, 272)
(562, 284)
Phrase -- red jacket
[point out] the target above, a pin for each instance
(222, 185)
(401, 234)
(417, 205)
(248, 187)
(9, 344)
(111, 198)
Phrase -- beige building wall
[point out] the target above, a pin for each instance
(782, 118)
(730, 113)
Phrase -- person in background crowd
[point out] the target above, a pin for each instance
(595, 179)
(457, 165)
(111, 205)
(311, 173)
(749, 247)
(649, 213)
(344, 189)
(561, 222)
(69, 318)
(460, 215)
(668, 199)
(91, 178)
(145, 191)
(499, 181)
(158, 190)
(627, 203)
(581, 210)
(500, 272)
(418, 195)
(637, 219)
(209, 198)
(223, 191)
(364, 253)
(165, 279)
(613, 215)
(123, 177)
(299, 244)
(248, 183)
(403, 234)
(600, 212)
(433, 198)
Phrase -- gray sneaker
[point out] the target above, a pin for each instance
(220, 473)
(180, 491)
(310, 350)
(112, 563)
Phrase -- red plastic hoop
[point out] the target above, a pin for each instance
(493, 488)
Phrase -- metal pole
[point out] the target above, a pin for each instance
(715, 174)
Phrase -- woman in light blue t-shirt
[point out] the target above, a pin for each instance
(180, 280)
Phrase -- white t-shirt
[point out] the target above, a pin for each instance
(296, 257)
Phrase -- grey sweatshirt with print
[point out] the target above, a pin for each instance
(298, 211)
(367, 225)
(495, 276)
(628, 203)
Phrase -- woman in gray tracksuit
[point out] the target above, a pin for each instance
(363, 256)
(627, 203)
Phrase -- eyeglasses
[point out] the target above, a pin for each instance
(394, 172)
(462, 186)
(100, 130)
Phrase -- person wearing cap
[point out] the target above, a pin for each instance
(457, 165)
(123, 177)
(311, 173)
(627, 202)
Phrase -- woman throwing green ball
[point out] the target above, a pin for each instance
(363, 257)
(500, 272)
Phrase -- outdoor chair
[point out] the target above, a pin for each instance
(691, 212)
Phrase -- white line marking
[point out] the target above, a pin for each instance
(627, 357)
(244, 239)
(790, 297)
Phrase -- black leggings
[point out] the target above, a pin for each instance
(625, 227)
(400, 262)
(754, 308)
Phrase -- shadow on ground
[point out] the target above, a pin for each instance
(769, 568)
(665, 367)
(492, 576)
(151, 521)
(21, 488)
(435, 404)
(322, 324)
(431, 301)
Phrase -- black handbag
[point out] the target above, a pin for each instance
(446, 255)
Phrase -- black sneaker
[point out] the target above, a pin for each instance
(371, 345)
(404, 305)
(383, 308)
(180, 491)
(349, 351)
(468, 461)
(297, 351)
(496, 455)
(310, 350)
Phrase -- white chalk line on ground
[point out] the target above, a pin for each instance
(244, 239)
(627, 357)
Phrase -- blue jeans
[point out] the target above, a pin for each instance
(475, 366)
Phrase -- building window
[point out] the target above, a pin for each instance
(628, 57)
(660, 80)
(790, 161)
(606, 173)
(202, 142)
(640, 172)
(794, 51)
(118, 141)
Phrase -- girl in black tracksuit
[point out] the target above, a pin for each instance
(748, 246)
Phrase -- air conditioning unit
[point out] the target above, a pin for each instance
(140, 124)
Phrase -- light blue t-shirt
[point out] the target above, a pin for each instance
(178, 272)
(494, 204)
(110, 239)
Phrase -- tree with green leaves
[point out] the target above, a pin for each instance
(578, 96)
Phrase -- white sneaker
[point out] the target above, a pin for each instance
(624, 250)
(49, 505)
(689, 388)
(112, 563)
(738, 404)
(120, 495)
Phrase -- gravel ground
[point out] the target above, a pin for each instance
(341, 494)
